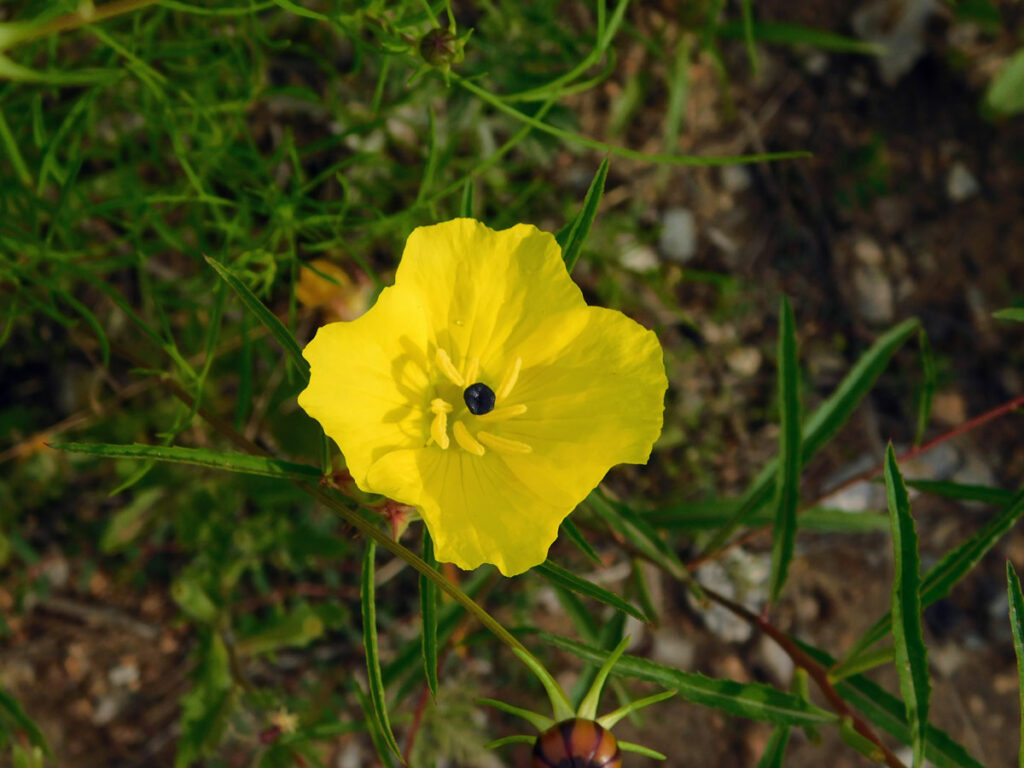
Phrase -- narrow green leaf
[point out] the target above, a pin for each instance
(848, 733)
(775, 749)
(997, 497)
(640, 749)
(1017, 625)
(1012, 313)
(748, 34)
(537, 720)
(232, 462)
(378, 699)
(709, 515)
(428, 615)
(569, 528)
(269, 320)
(753, 701)
(373, 727)
(295, 629)
(609, 720)
(823, 424)
(588, 707)
(793, 34)
(637, 532)
(572, 238)
(787, 493)
(518, 738)
(10, 706)
(569, 580)
(954, 565)
(908, 637)
(862, 663)
(466, 206)
(560, 705)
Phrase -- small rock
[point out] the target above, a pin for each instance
(875, 300)
(778, 664)
(946, 658)
(639, 258)
(678, 238)
(961, 184)
(816, 63)
(124, 674)
(672, 648)
(949, 408)
(868, 252)
(744, 361)
(734, 178)
(898, 26)
(859, 497)
(742, 576)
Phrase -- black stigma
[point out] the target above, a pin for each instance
(479, 399)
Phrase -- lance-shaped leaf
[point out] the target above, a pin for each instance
(572, 237)
(908, 637)
(787, 488)
(269, 320)
(232, 462)
(569, 580)
(1017, 626)
(378, 699)
(754, 701)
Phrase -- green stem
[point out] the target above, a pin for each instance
(632, 154)
(80, 19)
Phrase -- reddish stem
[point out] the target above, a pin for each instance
(815, 671)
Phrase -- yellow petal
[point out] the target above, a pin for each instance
(476, 509)
(595, 398)
(483, 290)
(368, 384)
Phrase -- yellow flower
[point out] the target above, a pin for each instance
(482, 390)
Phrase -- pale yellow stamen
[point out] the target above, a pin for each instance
(500, 414)
(502, 444)
(466, 440)
(509, 381)
(439, 429)
(437, 405)
(472, 370)
(448, 368)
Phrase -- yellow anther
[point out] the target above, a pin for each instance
(466, 440)
(448, 368)
(439, 429)
(501, 444)
(472, 370)
(509, 381)
(437, 405)
(500, 414)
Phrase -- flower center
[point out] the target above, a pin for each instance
(480, 411)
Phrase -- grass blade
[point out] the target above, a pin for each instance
(243, 463)
(1016, 619)
(823, 424)
(378, 699)
(927, 391)
(754, 701)
(466, 205)
(637, 532)
(775, 749)
(269, 319)
(908, 638)
(428, 615)
(787, 493)
(1012, 313)
(568, 580)
(571, 238)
